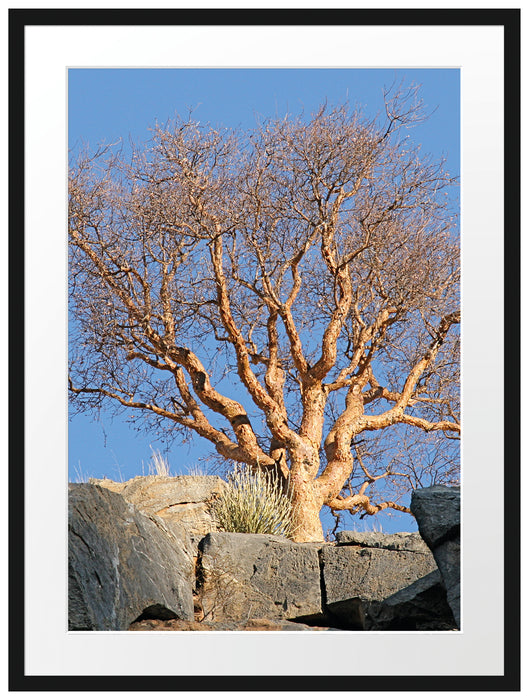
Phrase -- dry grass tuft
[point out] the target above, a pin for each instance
(253, 502)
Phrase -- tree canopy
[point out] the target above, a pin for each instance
(314, 262)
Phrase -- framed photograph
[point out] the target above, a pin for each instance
(102, 75)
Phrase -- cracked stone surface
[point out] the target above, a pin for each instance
(402, 541)
(438, 513)
(356, 576)
(420, 606)
(122, 562)
(181, 501)
(258, 576)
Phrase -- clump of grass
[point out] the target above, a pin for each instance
(159, 464)
(80, 477)
(196, 470)
(372, 526)
(253, 502)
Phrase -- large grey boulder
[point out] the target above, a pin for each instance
(179, 500)
(369, 568)
(123, 564)
(437, 511)
(258, 576)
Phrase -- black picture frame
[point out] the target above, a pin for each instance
(509, 19)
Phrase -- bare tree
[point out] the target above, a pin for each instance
(315, 260)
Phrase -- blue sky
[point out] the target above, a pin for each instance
(106, 104)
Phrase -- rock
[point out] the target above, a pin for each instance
(356, 576)
(116, 486)
(132, 566)
(448, 557)
(179, 500)
(420, 606)
(251, 575)
(122, 564)
(437, 510)
(402, 541)
(251, 625)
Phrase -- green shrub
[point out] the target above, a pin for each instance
(253, 502)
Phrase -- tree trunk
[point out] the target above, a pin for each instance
(306, 506)
(308, 524)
